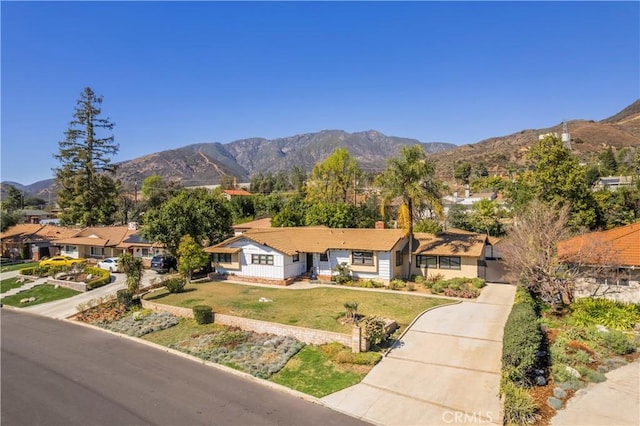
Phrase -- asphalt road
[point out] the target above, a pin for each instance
(58, 373)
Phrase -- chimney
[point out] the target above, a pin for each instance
(466, 193)
(380, 224)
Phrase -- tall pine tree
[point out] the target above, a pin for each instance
(88, 193)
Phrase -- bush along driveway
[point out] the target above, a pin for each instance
(549, 357)
(444, 370)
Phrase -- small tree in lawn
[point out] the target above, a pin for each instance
(132, 267)
(191, 256)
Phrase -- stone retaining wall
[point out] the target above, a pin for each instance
(78, 286)
(355, 341)
(251, 280)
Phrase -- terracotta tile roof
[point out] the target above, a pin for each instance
(99, 236)
(623, 241)
(260, 223)
(52, 232)
(450, 243)
(319, 239)
(236, 192)
(20, 230)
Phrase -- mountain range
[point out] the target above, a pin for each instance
(207, 163)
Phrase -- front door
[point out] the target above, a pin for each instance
(310, 262)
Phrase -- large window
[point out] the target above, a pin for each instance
(427, 261)
(362, 258)
(399, 258)
(449, 262)
(221, 257)
(262, 259)
(96, 251)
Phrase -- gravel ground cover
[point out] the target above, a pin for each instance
(139, 323)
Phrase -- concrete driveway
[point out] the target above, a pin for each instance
(67, 307)
(445, 369)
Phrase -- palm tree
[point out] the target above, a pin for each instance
(411, 176)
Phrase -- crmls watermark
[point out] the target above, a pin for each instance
(462, 417)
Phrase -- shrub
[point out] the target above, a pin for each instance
(519, 407)
(478, 283)
(612, 314)
(411, 287)
(396, 284)
(175, 285)
(375, 330)
(125, 298)
(618, 342)
(101, 277)
(343, 273)
(439, 286)
(521, 341)
(432, 279)
(418, 279)
(203, 314)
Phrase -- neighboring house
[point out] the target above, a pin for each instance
(608, 260)
(107, 241)
(33, 241)
(230, 193)
(467, 200)
(34, 216)
(280, 255)
(241, 228)
(614, 182)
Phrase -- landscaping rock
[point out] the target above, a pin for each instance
(540, 381)
(541, 354)
(60, 275)
(575, 373)
(559, 393)
(28, 300)
(602, 328)
(554, 403)
(615, 362)
(603, 369)
(264, 300)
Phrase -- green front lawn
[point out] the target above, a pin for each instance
(18, 266)
(43, 293)
(10, 283)
(318, 308)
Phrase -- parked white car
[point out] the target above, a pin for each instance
(110, 264)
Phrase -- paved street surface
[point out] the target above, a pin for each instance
(613, 402)
(59, 373)
(445, 371)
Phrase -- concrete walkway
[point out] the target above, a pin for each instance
(445, 369)
(613, 402)
(28, 285)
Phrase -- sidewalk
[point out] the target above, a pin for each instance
(613, 402)
(445, 370)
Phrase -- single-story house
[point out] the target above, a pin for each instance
(33, 241)
(607, 261)
(230, 193)
(281, 255)
(107, 241)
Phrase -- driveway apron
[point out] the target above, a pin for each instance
(444, 370)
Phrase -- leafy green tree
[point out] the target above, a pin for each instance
(196, 212)
(592, 174)
(481, 171)
(338, 215)
(8, 219)
(555, 178)
(155, 190)
(485, 218)
(458, 217)
(14, 200)
(428, 225)
(411, 176)
(267, 205)
(608, 162)
(242, 208)
(298, 178)
(488, 183)
(132, 267)
(462, 172)
(87, 194)
(620, 207)
(291, 214)
(228, 182)
(332, 180)
(191, 256)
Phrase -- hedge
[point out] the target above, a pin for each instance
(521, 341)
(101, 277)
(203, 314)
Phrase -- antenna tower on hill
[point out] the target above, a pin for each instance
(566, 137)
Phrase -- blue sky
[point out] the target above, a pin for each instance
(177, 73)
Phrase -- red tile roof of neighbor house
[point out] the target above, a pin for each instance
(624, 242)
(260, 223)
(37, 232)
(236, 192)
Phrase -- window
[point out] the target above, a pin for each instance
(399, 258)
(221, 257)
(426, 261)
(362, 258)
(296, 257)
(324, 257)
(449, 262)
(262, 259)
(96, 251)
(146, 252)
(69, 249)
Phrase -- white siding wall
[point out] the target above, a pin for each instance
(293, 269)
(274, 272)
(73, 252)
